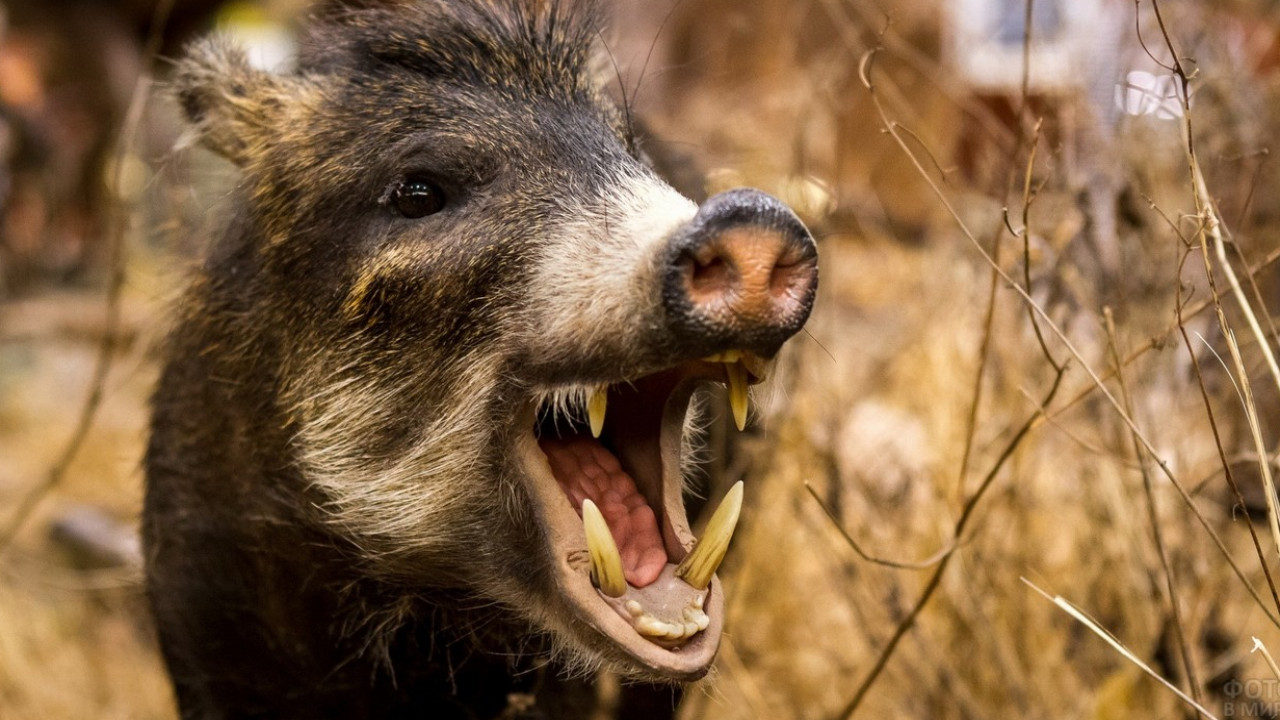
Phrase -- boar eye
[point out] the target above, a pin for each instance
(417, 197)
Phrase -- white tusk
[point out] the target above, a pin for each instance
(701, 563)
(606, 563)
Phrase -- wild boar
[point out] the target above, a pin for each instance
(419, 443)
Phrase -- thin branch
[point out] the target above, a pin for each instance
(935, 580)
(1159, 340)
(857, 547)
(984, 357)
(1226, 464)
(1153, 517)
(1137, 30)
(1027, 198)
(1211, 232)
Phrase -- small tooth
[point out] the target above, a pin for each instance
(651, 626)
(690, 628)
(701, 563)
(634, 608)
(738, 401)
(697, 617)
(606, 563)
(595, 409)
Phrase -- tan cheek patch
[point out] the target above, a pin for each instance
(368, 291)
(353, 308)
(379, 277)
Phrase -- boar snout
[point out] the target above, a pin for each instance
(741, 274)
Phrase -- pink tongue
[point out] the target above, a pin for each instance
(585, 469)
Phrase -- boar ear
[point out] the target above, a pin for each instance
(236, 108)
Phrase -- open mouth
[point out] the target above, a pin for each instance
(606, 467)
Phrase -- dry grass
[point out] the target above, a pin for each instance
(73, 642)
(907, 391)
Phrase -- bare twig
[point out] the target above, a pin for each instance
(1137, 31)
(1222, 455)
(984, 357)
(857, 547)
(1027, 198)
(1156, 341)
(1153, 517)
(1211, 232)
(984, 350)
(935, 579)
(927, 67)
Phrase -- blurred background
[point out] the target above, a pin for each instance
(1039, 378)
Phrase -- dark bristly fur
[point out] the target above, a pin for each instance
(312, 303)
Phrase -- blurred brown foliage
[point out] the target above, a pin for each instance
(904, 394)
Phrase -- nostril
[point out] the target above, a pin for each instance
(782, 280)
(791, 271)
(712, 275)
(750, 272)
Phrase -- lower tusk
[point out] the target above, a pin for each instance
(596, 405)
(701, 563)
(606, 563)
(738, 401)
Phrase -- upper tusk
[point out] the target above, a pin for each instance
(701, 563)
(606, 562)
(728, 356)
(596, 405)
(738, 402)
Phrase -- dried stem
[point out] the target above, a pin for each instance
(1210, 231)
(1027, 197)
(1222, 454)
(1111, 640)
(1153, 517)
(935, 579)
(857, 547)
(1159, 340)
